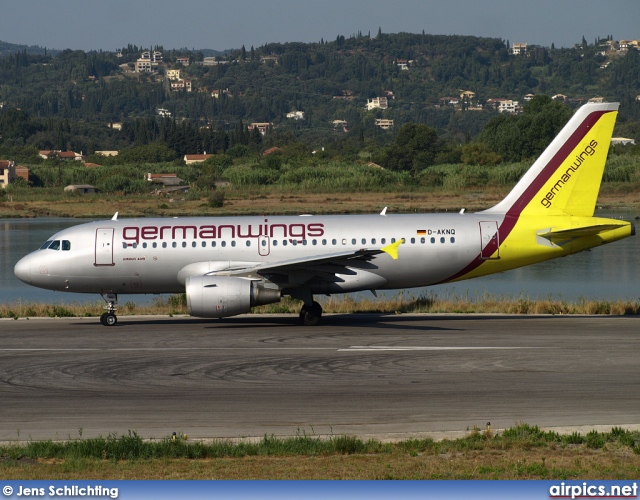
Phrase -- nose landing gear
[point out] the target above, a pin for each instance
(109, 318)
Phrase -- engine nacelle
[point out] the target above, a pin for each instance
(221, 296)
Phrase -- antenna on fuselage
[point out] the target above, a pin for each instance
(115, 216)
(384, 211)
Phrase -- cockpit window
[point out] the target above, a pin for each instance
(57, 245)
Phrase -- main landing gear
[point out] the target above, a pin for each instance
(311, 311)
(109, 318)
(310, 314)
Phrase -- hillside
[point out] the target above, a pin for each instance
(314, 93)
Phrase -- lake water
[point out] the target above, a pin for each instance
(610, 272)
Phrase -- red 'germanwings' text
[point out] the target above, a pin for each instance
(135, 234)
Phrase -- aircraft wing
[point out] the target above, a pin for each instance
(324, 266)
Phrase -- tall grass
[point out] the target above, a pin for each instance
(349, 304)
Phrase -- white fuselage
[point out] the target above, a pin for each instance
(148, 255)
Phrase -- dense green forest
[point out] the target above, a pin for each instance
(68, 100)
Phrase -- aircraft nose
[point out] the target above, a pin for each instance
(23, 269)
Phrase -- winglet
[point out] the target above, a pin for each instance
(393, 248)
(115, 217)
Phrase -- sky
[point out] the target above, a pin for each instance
(230, 24)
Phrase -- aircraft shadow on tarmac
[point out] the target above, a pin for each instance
(369, 320)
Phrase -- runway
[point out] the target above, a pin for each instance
(367, 375)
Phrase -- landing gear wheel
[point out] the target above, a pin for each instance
(310, 316)
(110, 319)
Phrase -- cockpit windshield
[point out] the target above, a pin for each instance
(64, 245)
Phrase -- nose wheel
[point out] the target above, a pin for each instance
(109, 318)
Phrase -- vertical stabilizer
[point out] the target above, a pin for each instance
(565, 179)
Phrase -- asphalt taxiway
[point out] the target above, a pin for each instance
(367, 375)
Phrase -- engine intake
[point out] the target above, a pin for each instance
(222, 296)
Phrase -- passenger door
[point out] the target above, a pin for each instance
(104, 247)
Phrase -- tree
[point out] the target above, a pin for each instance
(520, 137)
(413, 150)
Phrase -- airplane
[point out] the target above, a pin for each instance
(227, 265)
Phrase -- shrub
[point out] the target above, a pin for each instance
(216, 199)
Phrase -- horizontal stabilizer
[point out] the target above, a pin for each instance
(579, 232)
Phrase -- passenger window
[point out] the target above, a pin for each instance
(213, 243)
(353, 241)
(55, 245)
(124, 245)
(193, 244)
(383, 241)
(294, 242)
(174, 244)
(324, 242)
(155, 245)
(334, 242)
(164, 244)
(364, 241)
(453, 240)
(315, 242)
(45, 245)
(393, 240)
(373, 241)
(422, 240)
(433, 240)
(413, 240)
(223, 244)
(284, 243)
(275, 243)
(249, 243)
(144, 245)
(204, 244)
(442, 239)
(233, 243)
(184, 244)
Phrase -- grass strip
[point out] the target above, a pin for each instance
(523, 451)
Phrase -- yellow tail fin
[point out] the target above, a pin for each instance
(565, 180)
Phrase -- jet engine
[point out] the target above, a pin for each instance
(221, 296)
